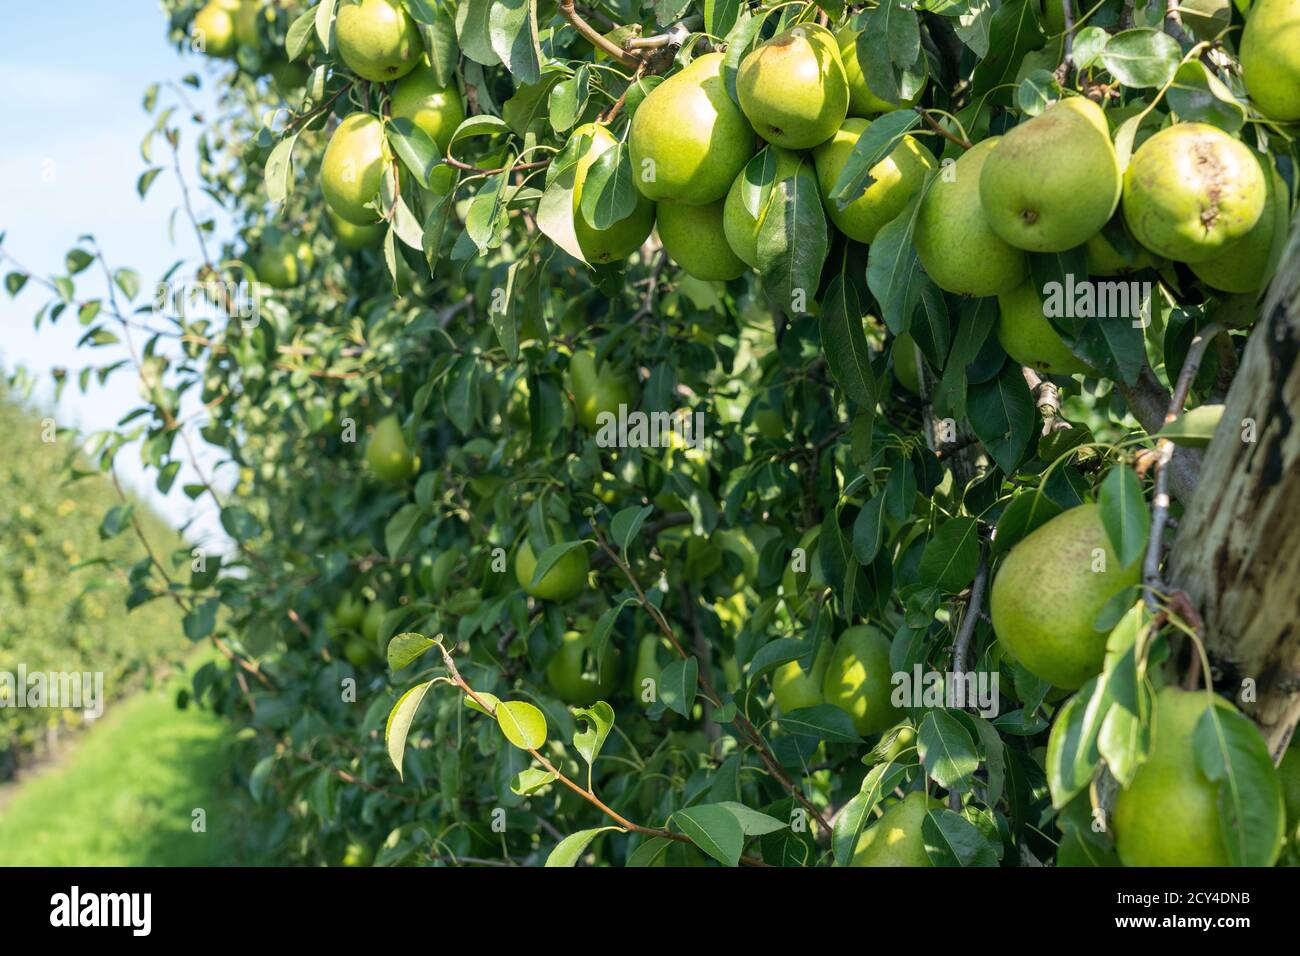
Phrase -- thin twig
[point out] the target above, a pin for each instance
(598, 40)
(961, 645)
(1151, 580)
(934, 125)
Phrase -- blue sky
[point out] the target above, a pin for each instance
(74, 74)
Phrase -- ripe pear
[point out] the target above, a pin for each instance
(954, 241)
(1049, 591)
(565, 674)
(1169, 814)
(646, 667)
(625, 236)
(353, 168)
(858, 679)
(1191, 191)
(1105, 260)
(895, 839)
(1054, 181)
(354, 237)
(1028, 336)
(567, 578)
(595, 391)
(1270, 58)
(898, 177)
(793, 688)
(744, 211)
(213, 28)
(387, 453)
(377, 39)
(283, 259)
(688, 140)
(862, 101)
(435, 109)
(793, 89)
(694, 238)
(1247, 265)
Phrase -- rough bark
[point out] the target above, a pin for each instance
(1238, 549)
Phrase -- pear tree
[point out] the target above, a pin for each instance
(979, 554)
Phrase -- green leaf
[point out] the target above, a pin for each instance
(1025, 512)
(752, 822)
(550, 558)
(529, 781)
(946, 750)
(1199, 96)
(279, 169)
(568, 851)
(400, 528)
(599, 718)
(876, 142)
(414, 148)
(792, 243)
(523, 724)
(399, 723)
(1088, 44)
(894, 273)
(714, 829)
(15, 281)
(146, 180)
(1231, 752)
(568, 99)
(512, 26)
(489, 701)
(1002, 414)
(300, 33)
(648, 852)
(868, 530)
(849, 822)
(952, 840)
(116, 520)
(405, 649)
(1142, 58)
(77, 260)
(1072, 754)
(889, 43)
(609, 194)
(627, 523)
(844, 342)
(951, 557)
(555, 213)
(823, 721)
(1124, 514)
(1014, 31)
(678, 685)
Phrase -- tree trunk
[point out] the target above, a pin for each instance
(1238, 549)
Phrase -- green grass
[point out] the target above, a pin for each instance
(126, 794)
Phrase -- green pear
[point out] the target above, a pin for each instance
(567, 678)
(688, 140)
(349, 611)
(954, 241)
(1049, 591)
(247, 15)
(858, 679)
(1288, 773)
(387, 453)
(1028, 336)
(904, 739)
(283, 259)
(435, 109)
(646, 667)
(793, 688)
(373, 620)
(1169, 814)
(1054, 181)
(624, 237)
(898, 177)
(359, 652)
(289, 78)
(1248, 264)
(213, 28)
(354, 237)
(1191, 191)
(862, 101)
(567, 578)
(377, 39)
(1270, 58)
(596, 391)
(694, 238)
(1053, 16)
(896, 839)
(793, 89)
(1195, 427)
(353, 168)
(906, 369)
(746, 206)
(1105, 260)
